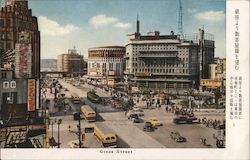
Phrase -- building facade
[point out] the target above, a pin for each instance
(72, 63)
(20, 77)
(161, 62)
(106, 64)
(16, 17)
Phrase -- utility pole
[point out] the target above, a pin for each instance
(58, 136)
(79, 132)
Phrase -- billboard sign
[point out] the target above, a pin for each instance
(31, 104)
(23, 56)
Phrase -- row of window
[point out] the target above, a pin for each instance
(7, 46)
(158, 64)
(11, 84)
(161, 70)
(6, 36)
(109, 59)
(111, 65)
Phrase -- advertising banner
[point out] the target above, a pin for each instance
(31, 104)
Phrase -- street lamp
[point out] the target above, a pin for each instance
(79, 132)
(58, 137)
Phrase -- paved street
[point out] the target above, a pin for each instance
(130, 134)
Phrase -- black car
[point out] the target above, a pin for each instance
(148, 127)
(137, 120)
(133, 116)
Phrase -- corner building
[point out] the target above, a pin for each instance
(162, 62)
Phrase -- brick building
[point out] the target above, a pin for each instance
(16, 17)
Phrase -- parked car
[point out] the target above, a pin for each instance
(148, 127)
(177, 137)
(155, 122)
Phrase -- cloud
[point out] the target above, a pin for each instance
(211, 16)
(53, 28)
(101, 20)
(122, 25)
(191, 11)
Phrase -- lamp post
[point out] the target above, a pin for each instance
(58, 136)
(79, 132)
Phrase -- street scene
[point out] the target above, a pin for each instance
(113, 74)
(130, 132)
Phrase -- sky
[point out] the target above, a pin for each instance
(90, 23)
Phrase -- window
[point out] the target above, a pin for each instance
(8, 36)
(8, 45)
(6, 85)
(110, 66)
(10, 98)
(13, 84)
(4, 75)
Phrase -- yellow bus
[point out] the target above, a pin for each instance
(105, 135)
(75, 98)
(88, 113)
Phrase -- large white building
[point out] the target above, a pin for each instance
(106, 64)
(160, 62)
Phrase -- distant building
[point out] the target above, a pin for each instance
(16, 17)
(106, 64)
(217, 75)
(72, 63)
(48, 65)
(160, 62)
(220, 68)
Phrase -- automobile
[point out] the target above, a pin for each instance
(131, 116)
(137, 120)
(177, 137)
(155, 122)
(138, 111)
(184, 119)
(133, 113)
(148, 127)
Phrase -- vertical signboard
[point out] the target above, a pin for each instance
(23, 56)
(31, 104)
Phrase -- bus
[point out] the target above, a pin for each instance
(75, 98)
(105, 135)
(88, 113)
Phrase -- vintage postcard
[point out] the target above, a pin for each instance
(116, 79)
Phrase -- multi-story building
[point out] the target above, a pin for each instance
(72, 63)
(16, 17)
(160, 62)
(106, 64)
(20, 77)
